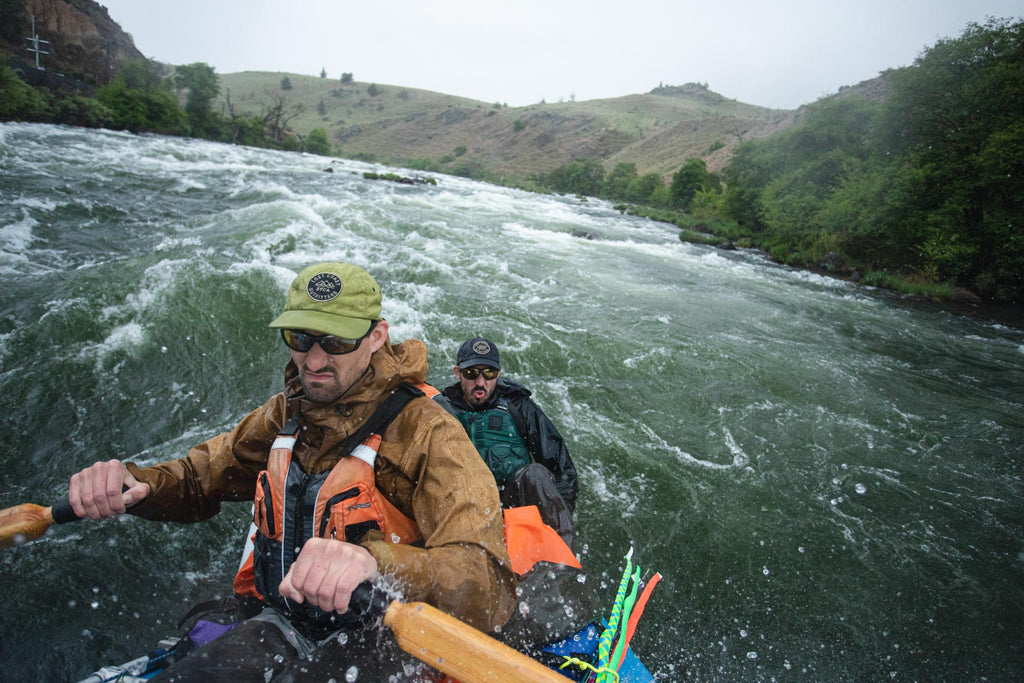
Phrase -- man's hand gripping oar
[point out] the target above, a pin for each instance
(104, 490)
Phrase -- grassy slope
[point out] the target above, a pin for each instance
(657, 132)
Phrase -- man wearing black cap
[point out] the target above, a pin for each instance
(516, 439)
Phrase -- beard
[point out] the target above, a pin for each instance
(323, 391)
(476, 398)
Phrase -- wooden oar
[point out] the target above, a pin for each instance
(27, 522)
(428, 634)
(459, 650)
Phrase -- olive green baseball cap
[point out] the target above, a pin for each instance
(333, 298)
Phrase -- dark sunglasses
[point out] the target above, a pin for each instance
(473, 373)
(300, 341)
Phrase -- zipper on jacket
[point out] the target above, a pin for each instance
(268, 505)
(302, 509)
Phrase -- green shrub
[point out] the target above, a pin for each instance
(317, 142)
(19, 101)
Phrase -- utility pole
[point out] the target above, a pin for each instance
(40, 47)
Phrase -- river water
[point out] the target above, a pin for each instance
(828, 477)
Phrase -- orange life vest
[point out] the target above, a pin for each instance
(292, 506)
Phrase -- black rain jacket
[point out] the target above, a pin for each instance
(543, 441)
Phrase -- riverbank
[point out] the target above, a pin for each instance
(957, 300)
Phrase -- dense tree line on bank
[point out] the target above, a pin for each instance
(929, 183)
(142, 98)
(923, 191)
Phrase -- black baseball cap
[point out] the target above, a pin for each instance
(478, 351)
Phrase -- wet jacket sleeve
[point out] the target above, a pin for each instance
(463, 566)
(547, 447)
(223, 468)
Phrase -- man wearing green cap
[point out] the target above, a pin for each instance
(355, 473)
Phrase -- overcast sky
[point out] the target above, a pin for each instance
(778, 54)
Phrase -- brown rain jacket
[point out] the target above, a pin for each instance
(426, 467)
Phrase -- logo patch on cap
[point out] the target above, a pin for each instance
(323, 287)
(481, 348)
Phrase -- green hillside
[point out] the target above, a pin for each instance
(392, 124)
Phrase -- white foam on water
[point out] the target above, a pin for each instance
(129, 318)
(42, 203)
(624, 496)
(124, 338)
(175, 242)
(17, 237)
(5, 340)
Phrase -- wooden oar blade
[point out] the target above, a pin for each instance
(23, 523)
(459, 650)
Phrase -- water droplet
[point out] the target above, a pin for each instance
(163, 349)
(751, 655)
(743, 633)
(352, 673)
(342, 638)
(861, 489)
(94, 604)
(765, 571)
(581, 578)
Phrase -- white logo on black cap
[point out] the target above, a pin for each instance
(481, 348)
(323, 287)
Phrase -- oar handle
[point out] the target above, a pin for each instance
(63, 513)
(367, 604)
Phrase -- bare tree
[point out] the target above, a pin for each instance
(277, 114)
(232, 115)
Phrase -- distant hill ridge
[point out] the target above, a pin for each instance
(657, 131)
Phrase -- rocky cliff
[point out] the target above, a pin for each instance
(85, 44)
